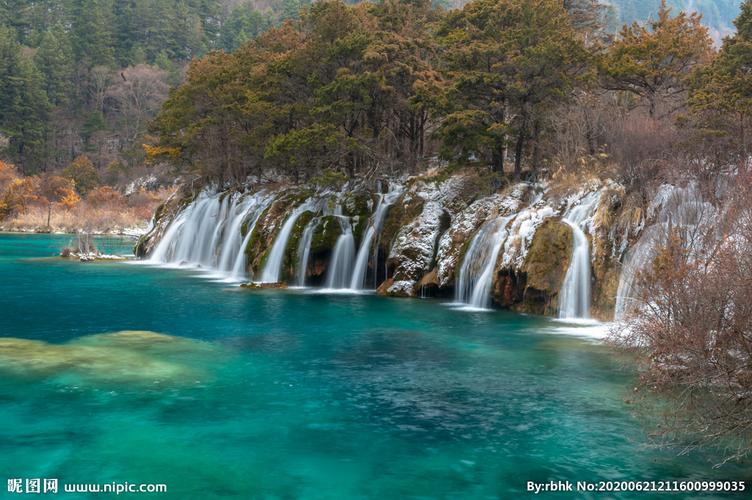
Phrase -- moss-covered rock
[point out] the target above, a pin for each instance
(406, 209)
(290, 262)
(163, 217)
(545, 267)
(358, 206)
(613, 220)
(324, 239)
(267, 228)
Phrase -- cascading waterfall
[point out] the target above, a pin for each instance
(231, 239)
(341, 265)
(477, 271)
(304, 250)
(678, 208)
(372, 233)
(273, 268)
(260, 204)
(185, 239)
(207, 233)
(575, 291)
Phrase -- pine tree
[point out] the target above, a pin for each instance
(92, 33)
(654, 62)
(722, 95)
(54, 58)
(23, 103)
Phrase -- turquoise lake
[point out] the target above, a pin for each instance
(288, 394)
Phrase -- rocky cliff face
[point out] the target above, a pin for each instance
(444, 235)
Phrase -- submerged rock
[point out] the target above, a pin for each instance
(121, 357)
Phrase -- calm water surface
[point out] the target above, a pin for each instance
(298, 395)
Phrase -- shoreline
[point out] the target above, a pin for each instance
(124, 234)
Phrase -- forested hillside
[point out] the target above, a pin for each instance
(521, 86)
(85, 76)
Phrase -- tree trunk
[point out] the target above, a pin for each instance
(49, 215)
(536, 145)
(497, 157)
(519, 150)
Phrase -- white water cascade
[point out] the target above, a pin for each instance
(341, 264)
(574, 302)
(370, 239)
(273, 267)
(479, 264)
(238, 271)
(206, 233)
(304, 250)
(673, 208)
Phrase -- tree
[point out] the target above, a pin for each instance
(243, 24)
(54, 58)
(654, 62)
(92, 33)
(83, 175)
(721, 97)
(507, 61)
(137, 96)
(55, 189)
(23, 102)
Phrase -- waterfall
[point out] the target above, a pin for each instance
(374, 230)
(304, 250)
(206, 233)
(574, 302)
(677, 208)
(260, 204)
(185, 239)
(341, 264)
(274, 261)
(479, 264)
(231, 240)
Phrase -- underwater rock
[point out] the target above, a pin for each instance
(122, 357)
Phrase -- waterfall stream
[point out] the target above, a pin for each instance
(206, 233)
(304, 250)
(675, 208)
(273, 268)
(478, 267)
(369, 246)
(341, 264)
(574, 302)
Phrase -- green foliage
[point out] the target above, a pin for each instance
(83, 174)
(508, 62)
(654, 62)
(721, 97)
(23, 102)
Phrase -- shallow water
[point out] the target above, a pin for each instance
(290, 394)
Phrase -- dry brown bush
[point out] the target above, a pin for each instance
(693, 331)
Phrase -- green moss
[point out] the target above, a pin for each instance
(291, 252)
(255, 236)
(326, 234)
(357, 207)
(546, 266)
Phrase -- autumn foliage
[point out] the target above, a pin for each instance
(51, 202)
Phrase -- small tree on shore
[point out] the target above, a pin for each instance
(55, 189)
